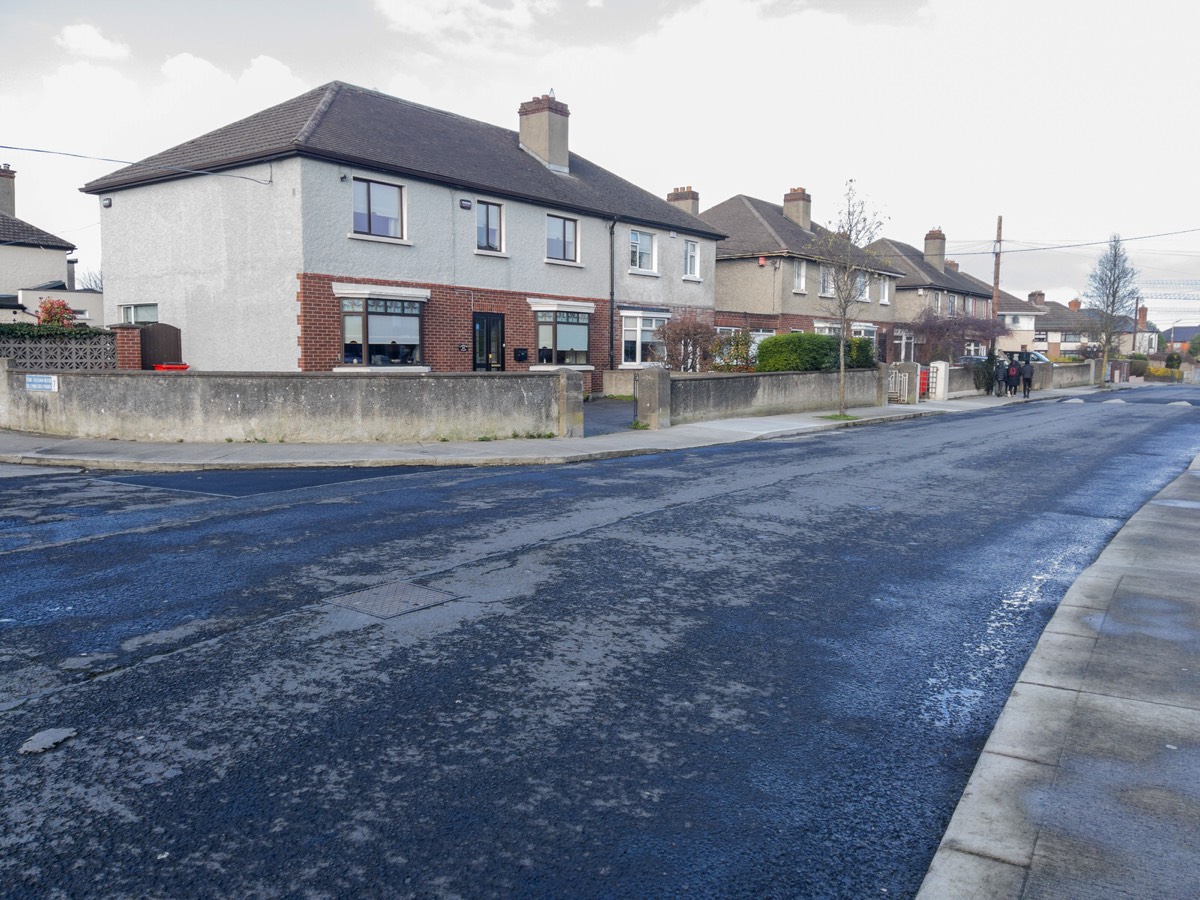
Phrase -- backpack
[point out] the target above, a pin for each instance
(1012, 371)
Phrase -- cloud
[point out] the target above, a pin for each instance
(474, 20)
(86, 40)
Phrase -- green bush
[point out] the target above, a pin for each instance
(1138, 367)
(797, 352)
(860, 354)
(40, 332)
(1173, 361)
(1155, 374)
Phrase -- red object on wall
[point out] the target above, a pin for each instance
(170, 367)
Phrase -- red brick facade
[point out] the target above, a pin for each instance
(446, 325)
(129, 346)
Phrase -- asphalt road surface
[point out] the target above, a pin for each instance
(761, 670)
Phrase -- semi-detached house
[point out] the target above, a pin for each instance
(346, 229)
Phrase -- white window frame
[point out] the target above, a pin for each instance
(885, 290)
(862, 287)
(691, 260)
(937, 303)
(480, 206)
(130, 313)
(634, 321)
(541, 304)
(401, 226)
(827, 281)
(799, 276)
(952, 305)
(636, 245)
(563, 261)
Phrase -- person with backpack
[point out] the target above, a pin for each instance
(1027, 377)
(1012, 376)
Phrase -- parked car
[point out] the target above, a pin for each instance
(1034, 355)
(970, 360)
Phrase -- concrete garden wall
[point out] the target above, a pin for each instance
(293, 407)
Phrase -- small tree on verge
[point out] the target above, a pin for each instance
(850, 267)
(1112, 294)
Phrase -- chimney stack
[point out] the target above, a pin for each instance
(686, 199)
(544, 131)
(1141, 317)
(1038, 298)
(951, 265)
(8, 190)
(71, 273)
(797, 206)
(1074, 305)
(935, 249)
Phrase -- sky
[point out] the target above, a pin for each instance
(1072, 119)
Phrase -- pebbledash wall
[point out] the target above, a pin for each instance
(293, 407)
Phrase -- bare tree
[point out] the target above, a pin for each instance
(90, 280)
(846, 277)
(944, 336)
(687, 344)
(1112, 294)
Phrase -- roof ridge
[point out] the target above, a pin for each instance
(775, 234)
(331, 92)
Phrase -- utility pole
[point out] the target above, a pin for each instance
(996, 279)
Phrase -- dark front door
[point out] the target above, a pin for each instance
(489, 342)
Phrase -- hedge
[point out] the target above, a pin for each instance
(40, 332)
(806, 352)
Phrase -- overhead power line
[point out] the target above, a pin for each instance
(141, 165)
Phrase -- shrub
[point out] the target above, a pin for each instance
(1156, 374)
(1173, 361)
(797, 352)
(1138, 367)
(860, 353)
(55, 312)
(734, 352)
(688, 344)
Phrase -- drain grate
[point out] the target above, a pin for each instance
(389, 600)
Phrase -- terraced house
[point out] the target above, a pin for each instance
(346, 229)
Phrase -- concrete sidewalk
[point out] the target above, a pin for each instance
(88, 453)
(1089, 785)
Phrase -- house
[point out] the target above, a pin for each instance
(1178, 338)
(28, 255)
(346, 229)
(775, 271)
(1074, 330)
(1021, 318)
(931, 282)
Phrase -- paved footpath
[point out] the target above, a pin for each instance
(1089, 786)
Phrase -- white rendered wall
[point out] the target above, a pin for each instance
(25, 267)
(440, 245)
(219, 256)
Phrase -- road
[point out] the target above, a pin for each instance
(758, 670)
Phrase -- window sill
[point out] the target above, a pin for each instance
(382, 370)
(495, 254)
(694, 279)
(570, 263)
(799, 293)
(649, 273)
(378, 239)
(553, 368)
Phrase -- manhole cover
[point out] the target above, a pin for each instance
(390, 600)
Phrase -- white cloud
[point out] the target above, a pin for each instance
(86, 40)
(476, 21)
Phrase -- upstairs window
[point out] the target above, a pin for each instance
(641, 251)
(487, 226)
(827, 281)
(560, 239)
(885, 290)
(377, 209)
(799, 276)
(862, 290)
(691, 261)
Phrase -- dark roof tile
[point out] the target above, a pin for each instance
(14, 231)
(349, 124)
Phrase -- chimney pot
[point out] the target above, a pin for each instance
(1074, 305)
(8, 190)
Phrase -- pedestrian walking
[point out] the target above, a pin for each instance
(1027, 377)
(998, 378)
(1012, 376)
